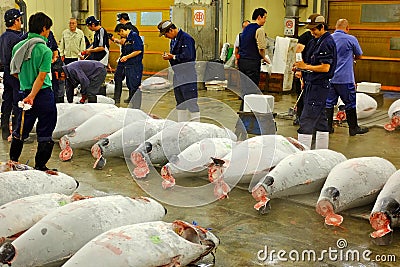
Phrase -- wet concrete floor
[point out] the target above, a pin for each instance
(247, 238)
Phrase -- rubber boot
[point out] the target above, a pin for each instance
(43, 154)
(16, 149)
(329, 116)
(5, 126)
(305, 139)
(195, 116)
(354, 129)
(60, 99)
(136, 100)
(92, 99)
(321, 140)
(183, 115)
(117, 92)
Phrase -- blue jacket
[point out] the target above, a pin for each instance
(248, 48)
(82, 72)
(7, 41)
(321, 51)
(183, 47)
(133, 43)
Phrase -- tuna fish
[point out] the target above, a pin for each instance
(352, 183)
(149, 244)
(194, 160)
(15, 185)
(385, 214)
(65, 230)
(127, 139)
(169, 142)
(13, 166)
(19, 215)
(99, 126)
(155, 83)
(250, 161)
(300, 173)
(77, 114)
(365, 107)
(394, 116)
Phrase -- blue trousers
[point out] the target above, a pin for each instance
(347, 93)
(313, 117)
(45, 111)
(11, 96)
(186, 97)
(119, 76)
(133, 80)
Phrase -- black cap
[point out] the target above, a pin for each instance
(12, 14)
(90, 20)
(314, 20)
(124, 16)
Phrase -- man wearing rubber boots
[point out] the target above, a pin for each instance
(35, 83)
(8, 39)
(182, 57)
(317, 68)
(343, 82)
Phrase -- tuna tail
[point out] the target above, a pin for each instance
(7, 253)
(168, 178)
(142, 168)
(259, 193)
(66, 150)
(218, 162)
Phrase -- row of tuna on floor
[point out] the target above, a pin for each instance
(194, 149)
(38, 227)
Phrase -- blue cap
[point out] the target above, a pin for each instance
(12, 14)
(90, 20)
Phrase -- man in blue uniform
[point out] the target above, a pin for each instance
(8, 39)
(182, 57)
(119, 75)
(99, 50)
(317, 68)
(343, 82)
(131, 63)
(35, 85)
(90, 74)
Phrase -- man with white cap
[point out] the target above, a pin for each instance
(12, 35)
(317, 68)
(182, 57)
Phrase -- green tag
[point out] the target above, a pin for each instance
(155, 239)
(62, 203)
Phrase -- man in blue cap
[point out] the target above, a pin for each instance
(12, 35)
(99, 50)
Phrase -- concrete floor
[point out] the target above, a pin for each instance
(242, 231)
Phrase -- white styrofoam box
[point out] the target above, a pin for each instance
(367, 87)
(258, 103)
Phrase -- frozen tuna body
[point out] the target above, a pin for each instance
(124, 141)
(77, 114)
(194, 160)
(19, 215)
(168, 143)
(250, 161)
(15, 185)
(65, 230)
(300, 173)
(97, 127)
(394, 116)
(385, 214)
(150, 244)
(352, 183)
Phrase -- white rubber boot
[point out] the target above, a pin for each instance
(305, 139)
(321, 140)
(183, 115)
(195, 116)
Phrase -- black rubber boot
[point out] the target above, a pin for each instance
(92, 99)
(351, 116)
(60, 99)
(43, 154)
(5, 126)
(329, 116)
(16, 149)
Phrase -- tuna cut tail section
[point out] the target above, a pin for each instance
(381, 223)
(394, 123)
(142, 169)
(168, 178)
(325, 208)
(66, 150)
